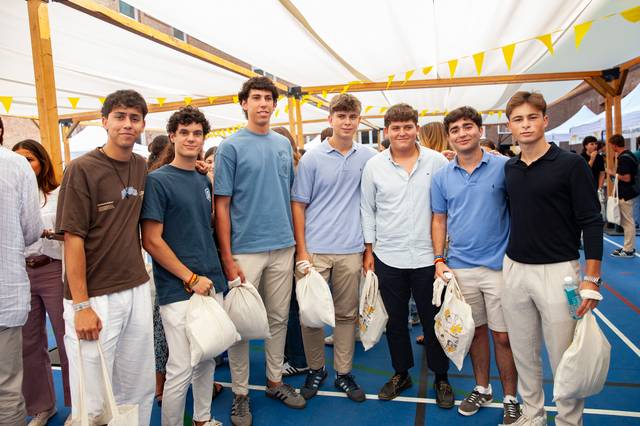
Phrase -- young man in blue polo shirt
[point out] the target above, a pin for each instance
(326, 219)
(253, 175)
(469, 204)
(177, 233)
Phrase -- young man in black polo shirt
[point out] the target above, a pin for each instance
(552, 201)
(626, 173)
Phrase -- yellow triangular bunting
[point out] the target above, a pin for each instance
(212, 99)
(478, 59)
(631, 15)
(423, 112)
(235, 99)
(407, 76)
(319, 104)
(286, 109)
(546, 40)
(390, 80)
(6, 102)
(278, 111)
(101, 99)
(499, 115)
(453, 64)
(507, 52)
(383, 110)
(580, 31)
(367, 109)
(187, 100)
(74, 102)
(161, 101)
(325, 93)
(426, 70)
(345, 88)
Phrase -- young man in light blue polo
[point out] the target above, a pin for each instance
(325, 202)
(468, 200)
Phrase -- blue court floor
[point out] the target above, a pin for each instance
(618, 404)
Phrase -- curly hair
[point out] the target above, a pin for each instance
(185, 116)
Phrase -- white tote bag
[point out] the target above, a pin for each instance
(113, 415)
(209, 329)
(613, 207)
(315, 300)
(584, 366)
(454, 325)
(246, 309)
(372, 315)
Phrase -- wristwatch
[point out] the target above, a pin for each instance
(595, 280)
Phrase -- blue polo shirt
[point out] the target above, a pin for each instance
(477, 212)
(329, 184)
(256, 171)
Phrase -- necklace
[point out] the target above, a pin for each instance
(125, 188)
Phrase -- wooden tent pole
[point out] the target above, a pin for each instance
(299, 132)
(292, 119)
(608, 108)
(617, 115)
(45, 82)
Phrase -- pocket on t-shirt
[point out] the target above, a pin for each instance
(284, 165)
(106, 206)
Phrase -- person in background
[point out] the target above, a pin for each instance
(384, 144)
(20, 226)
(636, 205)
(209, 159)
(44, 267)
(488, 145)
(155, 149)
(627, 194)
(592, 156)
(433, 136)
(326, 134)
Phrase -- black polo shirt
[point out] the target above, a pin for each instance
(551, 201)
(627, 165)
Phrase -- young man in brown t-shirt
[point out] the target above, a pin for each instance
(107, 294)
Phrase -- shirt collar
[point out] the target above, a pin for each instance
(328, 148)
(486, 157)
(551, 154)
(387, 153)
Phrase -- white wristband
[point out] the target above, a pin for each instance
(81, 306)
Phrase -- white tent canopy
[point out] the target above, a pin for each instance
(561, 133)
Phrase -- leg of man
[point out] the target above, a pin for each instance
(37, 383)
(12, 409)
(294, 345)
(628, 224)
(558, 327)
(347, 271)
(636, 210)
(395, 291)
(525, 332)
(252, 265)
(313, 338)
(276, 285)
(421, 280)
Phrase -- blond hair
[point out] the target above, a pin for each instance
(433, 136)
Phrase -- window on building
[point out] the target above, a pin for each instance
(127, 10)
(179, 34)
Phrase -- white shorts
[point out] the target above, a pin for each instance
(482, 290)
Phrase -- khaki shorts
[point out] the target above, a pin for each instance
(482, 290)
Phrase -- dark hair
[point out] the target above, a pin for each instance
(463, 112)
(126, 99)
(284, 132)
(532, 98)
(488, 143)
(385, 143)
(211, 151)
(587, 140)
(617, 140)
(185, 116)
(47, 181)
(326, 133)
(165, 157)
(257, 83)
(155, 149)
(400, 112)
(345, 102)
(2, 132)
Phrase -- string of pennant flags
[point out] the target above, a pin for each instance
(508, 51)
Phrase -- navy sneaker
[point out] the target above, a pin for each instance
(347, 384)
(312, 382)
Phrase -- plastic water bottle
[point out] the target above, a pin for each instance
(573, 296)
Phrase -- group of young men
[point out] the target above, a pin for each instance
(509, 231)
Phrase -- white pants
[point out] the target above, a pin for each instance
(272, 274)
(535, 308)
(127, 343)
(179, 371)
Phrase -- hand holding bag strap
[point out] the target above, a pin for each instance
(84, 414)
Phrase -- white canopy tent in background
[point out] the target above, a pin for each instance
(92, 137)
(561, 133)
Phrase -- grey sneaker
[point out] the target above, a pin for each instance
(287, 394)
(512, 412)
(472, 403)
(241, 411)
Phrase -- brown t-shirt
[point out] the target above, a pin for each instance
(92, 204)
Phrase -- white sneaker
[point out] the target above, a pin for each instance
(289, 370)
(528, 421)
(69, 421)
(42, 418)
(212, 422)
(328, 340)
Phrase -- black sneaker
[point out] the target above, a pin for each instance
(347, 384)
(241, 411)
(624, 254)
(394, 386)
(312, 382)
(444, 394)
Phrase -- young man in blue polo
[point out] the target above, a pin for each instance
(325, 202)
(469, 204)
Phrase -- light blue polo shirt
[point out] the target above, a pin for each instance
(256, 171)
(477, 213)
(329, 183)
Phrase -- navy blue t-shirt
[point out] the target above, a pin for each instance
(181, 201)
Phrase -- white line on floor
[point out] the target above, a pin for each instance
(415, 400)
(618, 245)
(619, 333)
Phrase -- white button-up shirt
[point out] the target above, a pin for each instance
(48, 209)
(396, 208)
(20, 226)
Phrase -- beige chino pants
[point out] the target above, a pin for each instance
(345, 271)
(271, 273)
(628, 223)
